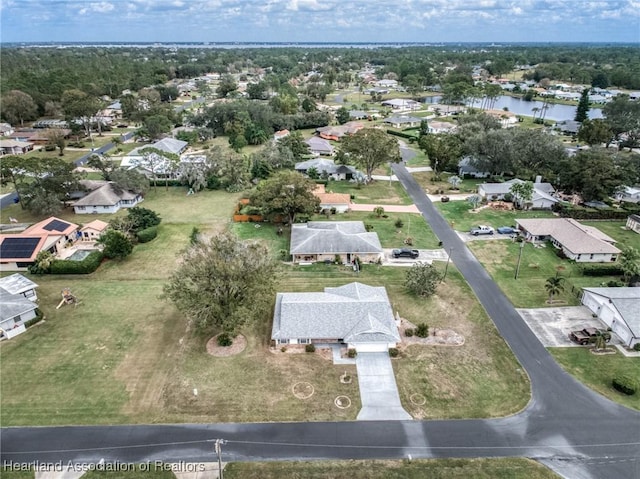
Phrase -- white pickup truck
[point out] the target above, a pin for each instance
(481, 230)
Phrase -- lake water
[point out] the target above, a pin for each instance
(518, 106)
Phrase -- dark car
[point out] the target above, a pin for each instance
(507, 230)
(444, 199)
(405, 253)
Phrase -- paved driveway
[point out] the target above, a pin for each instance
(553, 325)
(426, 256)
(378, 390)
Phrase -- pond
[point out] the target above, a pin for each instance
(80, 254)
(556, 112)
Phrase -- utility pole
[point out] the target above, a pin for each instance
(519, 259)
(218, 450)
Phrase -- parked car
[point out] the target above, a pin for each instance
(405, 253)
(507, 230)
(481, 230)
(444, 199)
(588, 335)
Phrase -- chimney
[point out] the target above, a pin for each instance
(538, 179)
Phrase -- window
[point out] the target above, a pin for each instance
(304, 341)
(81, 208)
(591, 256)
(283, 341)
(579, 256)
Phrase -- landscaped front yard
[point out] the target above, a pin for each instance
(377, 192)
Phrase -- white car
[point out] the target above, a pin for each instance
(481, 230)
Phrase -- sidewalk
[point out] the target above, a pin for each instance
(387, 208)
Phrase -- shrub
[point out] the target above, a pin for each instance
(393, 352)
(283, 349)
(86, 266)
(422, 331)
(625, 384)
(368, 227)
(615, 284)
(143, 218)
(409, 332)
(352, 353)
(333, 210)
(602, 270)
(636, 347)
(146, 235)
(310, 348)
(224, 340)
(39, 317)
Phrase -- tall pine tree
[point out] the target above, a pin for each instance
(582, 112)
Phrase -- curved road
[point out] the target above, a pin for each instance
(566, 426)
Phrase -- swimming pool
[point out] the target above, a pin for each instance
(80, 254)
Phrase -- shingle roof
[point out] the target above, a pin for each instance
(14, 305)
(106, 195)
(97, 225)
(354, 312)
(626, 301)
(577, 238)
(16, 284)
(334, 237)
(319, 144)
(504, 188)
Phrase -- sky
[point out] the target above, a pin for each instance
(427, 21)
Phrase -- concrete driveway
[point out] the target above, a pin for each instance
(466, 237)
(378, 389)
(553, 325)
(426, 256)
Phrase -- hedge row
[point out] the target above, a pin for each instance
(146, 235)
(602, 270)
(409, 136)
(584, 214)
(86, 266)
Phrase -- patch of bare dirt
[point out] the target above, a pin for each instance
(437, 336)
(239, 345)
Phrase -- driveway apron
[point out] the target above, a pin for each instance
(378, 390)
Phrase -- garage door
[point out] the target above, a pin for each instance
(371, 347)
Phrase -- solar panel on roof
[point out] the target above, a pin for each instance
(18, 247)
(56, 225)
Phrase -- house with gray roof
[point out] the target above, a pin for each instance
(403, 121)
(136, 159)
(618, 308)
(327, 240)
(542, 197)
(466, 169)
(319, 146)
(19, 285)
(15, 312)
(355, 314)
(581, 243)
(104, 197)
(327, 168)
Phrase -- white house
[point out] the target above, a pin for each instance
(466, 169)
(618, 308)
(402, 104)
(18, 299)
(355, 314)
(328, 168)
(507, 119)
(19, 285)
(93, 230)
(106, 197)
(340, 202)
(633, 223)
(387, 83)
(542, 197)
(136, 159)
(437, 127)
(403, 121)
(15, 147)
(581, 243)
(629, 194)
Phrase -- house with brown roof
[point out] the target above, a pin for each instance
(105, 197)
(93, 230)
(581, 243)
(15, 147)
(329, 201)
(336, 132)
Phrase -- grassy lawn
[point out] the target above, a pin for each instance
(501, 257)
(510, 468)
(376, 192)
(460, 216)
(391, 236)
(617, 230)
(598, 371)
(266, 232)
(429, 185)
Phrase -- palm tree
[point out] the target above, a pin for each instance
(601, 341)
(554, 286)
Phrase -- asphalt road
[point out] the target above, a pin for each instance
(566, 426)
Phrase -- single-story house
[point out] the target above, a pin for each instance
(340, 201)
(579, 242)
(18, 251)
(327, 167)
(358, 115)
(402, 104)
(629, 195)
(387, 83)
(618, 308)
(15, 147)
(93, 230)
(466, 169)
(326, 240)
(335, 132)
(570, 127)
(436, 127)
(633, 223)
(39, 136)
(355, 314)
(402, 121)
(135, 158)
(507, 119)
(5, 129)
(15, 312)
(105, 197)
(280, 134)
(19, 285)
(542, 197)
(319, 146)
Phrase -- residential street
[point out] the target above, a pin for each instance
(576, 432)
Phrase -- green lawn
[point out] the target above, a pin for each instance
(617, 230)
(376, 192)
(598, 371)
(508, 468)
(426, 180)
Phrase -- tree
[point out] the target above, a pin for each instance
(422, 279)
(378, 211)
(194, 176)
(44, 203)
(522, 193)
(116, 245)
(595, 132)
(80, 107)
(444, 151)
(342, 115)
(130, 180)
(155, 126)
(630, 263)
(554, 286)
(474, 200)
(454, 181)
(55, 136)
(223, 283)
(287, 194)
(295, 143)
(370, 148)
(18, 106)
(582, 112)
(623, 117)
(158, 161)
(226, 86)
(142, 218)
